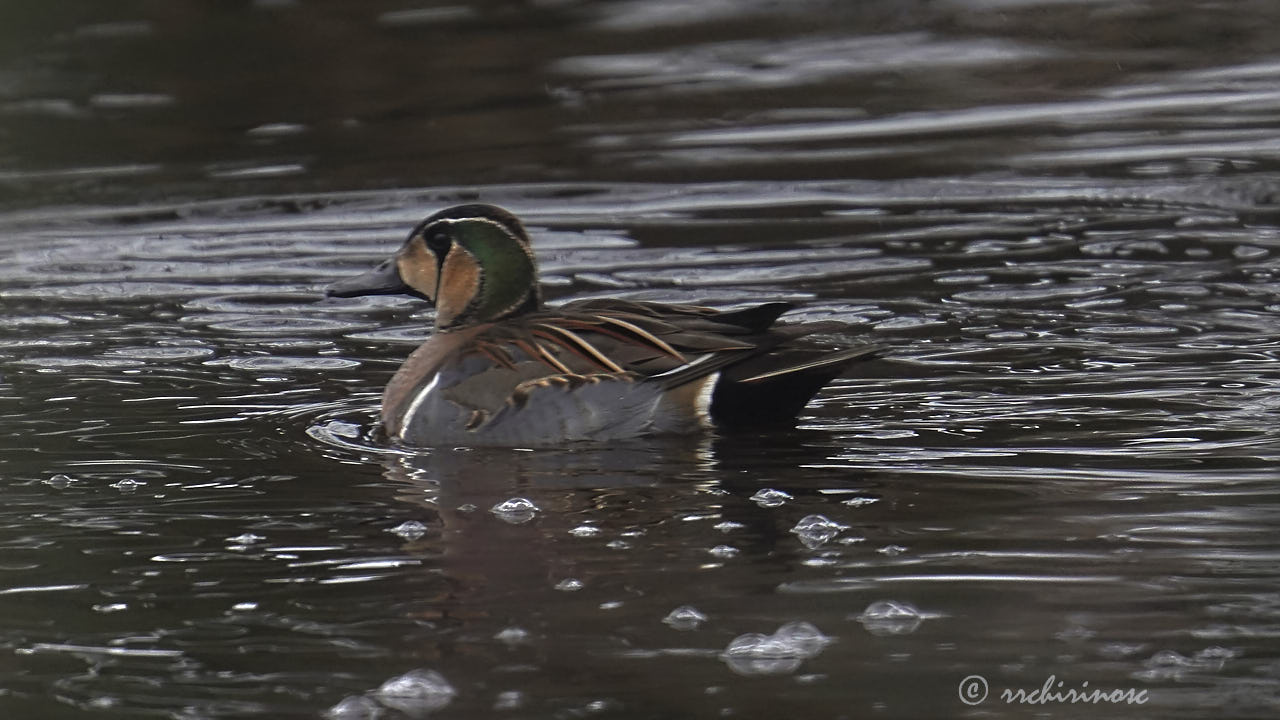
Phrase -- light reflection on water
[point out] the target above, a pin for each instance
(1065, 466)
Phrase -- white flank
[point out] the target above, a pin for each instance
(418, 399)
(703, 402)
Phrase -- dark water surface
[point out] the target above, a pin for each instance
(1062, 216)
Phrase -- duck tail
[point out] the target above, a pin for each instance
(771, 389)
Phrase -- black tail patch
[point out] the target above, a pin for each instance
(772, 389)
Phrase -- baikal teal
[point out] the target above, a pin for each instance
(502, 369)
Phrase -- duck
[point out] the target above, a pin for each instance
(504, 369)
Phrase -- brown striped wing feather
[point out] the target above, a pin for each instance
(766, 377)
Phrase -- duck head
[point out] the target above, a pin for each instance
(473, 262)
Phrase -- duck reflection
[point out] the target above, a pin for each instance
(567, 561)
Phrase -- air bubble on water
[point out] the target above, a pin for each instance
(354, 707)
(342, 429)
(103, 702)
(891, 550)
(723, 551)
(1172, 665)
(245, 606)
(515, 510)
(127, 485)
(243, 541)
(685, 617)
(59, 481)
(776, 654)
(891, 617)
(569, 585)
(409, 530)
(816, 530)
(768, 497)
(860, 501)
(728, 525)
(596, 707)
(416, 693)
(584, 531)
(512, 636)
(804, 636)
(618, 545)
(509, 700)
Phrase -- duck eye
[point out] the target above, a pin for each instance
(438, 242)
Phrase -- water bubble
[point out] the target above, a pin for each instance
(245, 606)
(103, 702)
(343, 429)
(516, 510)
(354, 707)
(803, 636)
(860, 501)
(890, 617)
(1166, 665)
(584, 531)
(685, 617)
(618, 545)
(245, 539)
(728, 525)
(409, 530)
(776, 654)
(509, 700)
(891, 550)
(127, 485)
(59, 481)
(816, 530)
(512, 636)
(768, 497)
(416, 693)
(569, 585)
(723, 551)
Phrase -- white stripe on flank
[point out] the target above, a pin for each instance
(703, 402)
(412, 412)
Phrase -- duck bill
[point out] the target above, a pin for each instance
(382, 280)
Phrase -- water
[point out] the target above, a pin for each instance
(1061, 216)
